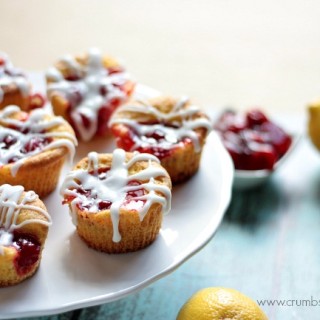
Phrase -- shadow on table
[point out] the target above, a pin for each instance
(251, 208)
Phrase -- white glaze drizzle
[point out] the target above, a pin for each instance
(115, 187)
(37, 126)
(12, 202)
(93, 77)
(184, 127)
(10, 75)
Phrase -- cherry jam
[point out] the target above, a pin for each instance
(34, 144)
(36, 101)
(129, 202)
(75, 98)
(28, 252)
(253, 141)
(154, 143)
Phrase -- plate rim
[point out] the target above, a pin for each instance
(197, 244)
(200, 241)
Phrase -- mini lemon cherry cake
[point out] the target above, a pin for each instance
(117, 200)
(24, 223)
(85, 90)
(15, 88)
(33, 147)
(172, 129)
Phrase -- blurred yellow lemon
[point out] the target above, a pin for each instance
(220, 304)
(314, 123)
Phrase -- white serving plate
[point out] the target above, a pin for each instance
(73, 276)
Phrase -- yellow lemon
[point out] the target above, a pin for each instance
(314, 123)
(220, 304)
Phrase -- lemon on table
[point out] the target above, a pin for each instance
(314, 123)
(220, 304)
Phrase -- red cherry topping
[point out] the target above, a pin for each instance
(28, 252)
(36, 143)
(124, 137)
(86, 122)
(104, 115)
(255, 118)
(134, 193)
(36, 101)
(253, 141)
(72, 77)
(106, 204)
(8, 141)
(129, 140)
(103, 90)
(75, 98)
(14, 159)
(115, 69)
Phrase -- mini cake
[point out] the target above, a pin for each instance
(24, 223)
(117, 200)
(33, 147)
(85, 90)
(174, 130)
(314, 123)
(15, 88)
(253, 141)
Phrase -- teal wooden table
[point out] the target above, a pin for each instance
(267, 247)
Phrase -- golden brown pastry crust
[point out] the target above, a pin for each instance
(8, 273)
(184, 161)
(107, 61)
(96, 229)
(40, 172)
(12, 95)
(60, 103)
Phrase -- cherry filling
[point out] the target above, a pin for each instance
(33, 144)
(105, 111)
(36, 144)
(103, 116)
(75, 98)
(8, 141)
(115, 69)
(253, 141)
(72, 77)
(36, 100)
(90, 200)
(155, 143)
(28, 252)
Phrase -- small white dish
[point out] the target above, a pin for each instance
(248, 179)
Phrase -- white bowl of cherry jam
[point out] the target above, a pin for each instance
(257, 145)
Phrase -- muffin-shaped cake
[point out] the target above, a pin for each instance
(33, 147)
(117, 200)
(24, 223)
(85, 90)
(14, 86)
(174, 130)
(314, 123)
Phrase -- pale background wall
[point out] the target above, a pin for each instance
(219, 52)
